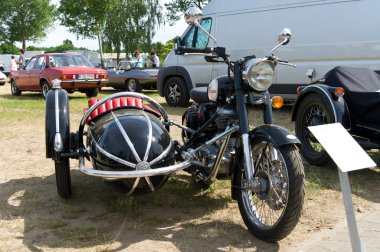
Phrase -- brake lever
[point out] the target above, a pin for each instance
(286, 64)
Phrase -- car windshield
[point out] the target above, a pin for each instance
(125, 65)
(71, 60)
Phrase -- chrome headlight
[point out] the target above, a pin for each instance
(212, 90)
(258, 73)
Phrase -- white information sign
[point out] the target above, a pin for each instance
(342, 147)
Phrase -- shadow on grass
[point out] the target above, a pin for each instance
(96, 215)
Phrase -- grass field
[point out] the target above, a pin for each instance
(181, 216)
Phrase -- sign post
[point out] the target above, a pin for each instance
(348, 156)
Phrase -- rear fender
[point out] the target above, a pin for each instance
(57, 106)
(337, 104)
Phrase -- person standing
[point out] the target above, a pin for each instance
(138, 60)
(12, 64)
(21, 59)
(155, 59)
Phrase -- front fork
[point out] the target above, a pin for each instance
(243, 125)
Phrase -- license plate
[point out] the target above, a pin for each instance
(85, 76)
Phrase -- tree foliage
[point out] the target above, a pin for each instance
(8, 48)
(23, 20)
(67, 45)
(176, 8)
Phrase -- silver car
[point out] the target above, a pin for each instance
(130, 78)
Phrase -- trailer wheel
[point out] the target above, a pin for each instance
(62, 176)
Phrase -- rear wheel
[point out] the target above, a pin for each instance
(311, 112)
(272, 213)
(14, 89)
(62, 176)
(92, 92)
(176, 93)
(133, 85)
(45, 87)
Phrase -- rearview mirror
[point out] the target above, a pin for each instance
(284, 36)
(193, 15)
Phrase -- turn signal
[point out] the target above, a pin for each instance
(339, 92)
(277, 102)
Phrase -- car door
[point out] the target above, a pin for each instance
(28, 70)
(22, 75)
(36, 72)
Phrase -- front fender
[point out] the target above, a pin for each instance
(279, 136)
(54, 111)
(165, 73)
(337, 105)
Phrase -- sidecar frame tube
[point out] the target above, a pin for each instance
(132, 174)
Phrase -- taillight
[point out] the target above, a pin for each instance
(68, 77)
(101, 76)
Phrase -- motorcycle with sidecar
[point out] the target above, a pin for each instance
(346, 95)
(129, 145)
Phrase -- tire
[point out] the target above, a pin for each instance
(132, 85)
(62, 176)
(92, 92)
(176, 93)
(311, 112)
(273, 213)
(45, 87)
(14, 89)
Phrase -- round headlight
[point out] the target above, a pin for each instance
(212, 90)
(258, 73)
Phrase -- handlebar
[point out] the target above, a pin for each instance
(213, 51)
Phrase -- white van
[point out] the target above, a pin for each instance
(326, 33)
(6, 59)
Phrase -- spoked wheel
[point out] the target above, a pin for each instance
(62, 176)
(14, 89)
(133, 85)
(312, 112)
(272, 213)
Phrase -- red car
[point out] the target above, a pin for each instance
(75, 72)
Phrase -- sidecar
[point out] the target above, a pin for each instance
(346, 95)
(124, 135)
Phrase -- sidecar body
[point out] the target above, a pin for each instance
(124, 138)
(346, 95)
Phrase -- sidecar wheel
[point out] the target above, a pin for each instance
(274, 212)
(312, 111)
(126, 186)
(62, 176)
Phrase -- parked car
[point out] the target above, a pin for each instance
(3, 79)
(346, 95)
(75, 72)
(130, 78)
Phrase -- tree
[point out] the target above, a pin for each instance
(24, 20)
(85, 18)
(176, 8)
(8, 48)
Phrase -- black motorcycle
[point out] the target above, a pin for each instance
(129, 145)
(346, 95)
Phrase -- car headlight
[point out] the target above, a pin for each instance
(212, 90)
(258, 73)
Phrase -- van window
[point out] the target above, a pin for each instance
(202, 38)
(196, 37)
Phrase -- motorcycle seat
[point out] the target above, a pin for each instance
(199, 95)
(116, 103)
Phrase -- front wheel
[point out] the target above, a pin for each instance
(272, 213)
(312, 112)
(45, 87)
(176, 93)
